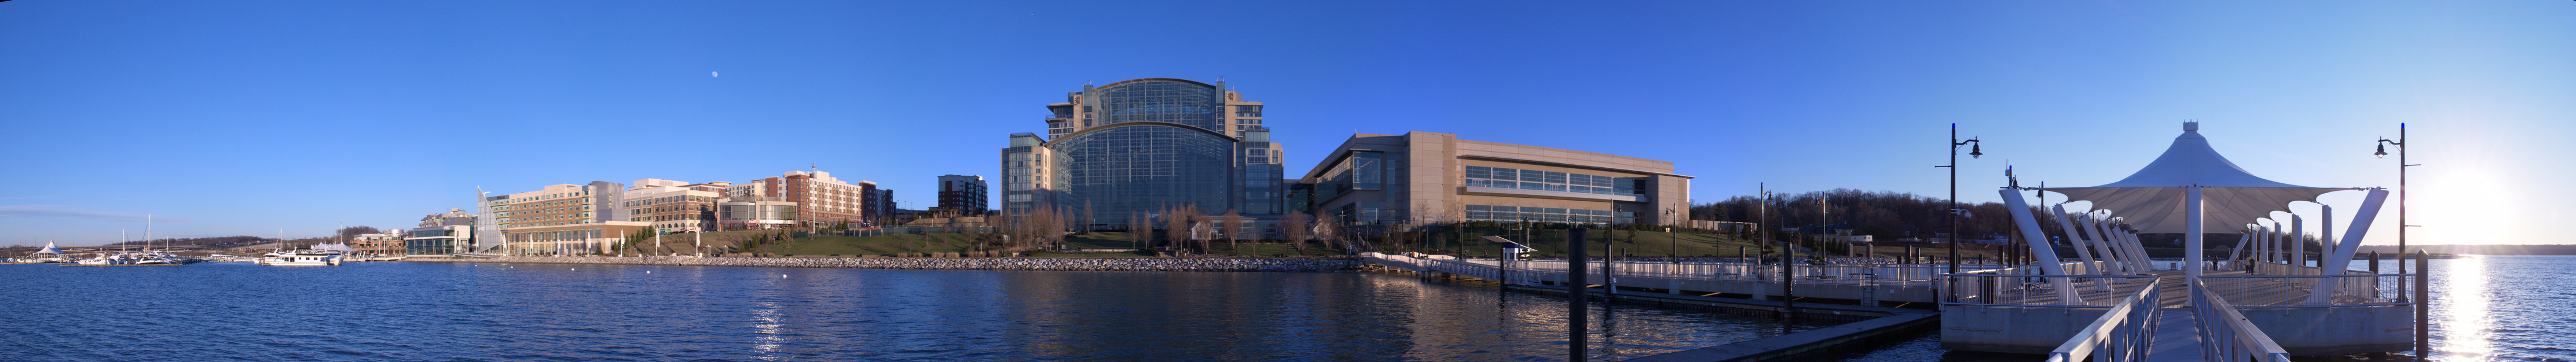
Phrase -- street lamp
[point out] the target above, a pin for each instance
(2401, 190)
(1676, 249)
(1976, 149)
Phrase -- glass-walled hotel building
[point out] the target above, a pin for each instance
(1138, 147)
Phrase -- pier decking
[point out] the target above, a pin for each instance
(2177, 337)
(2279, 310)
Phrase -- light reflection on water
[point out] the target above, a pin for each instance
(2466, 322)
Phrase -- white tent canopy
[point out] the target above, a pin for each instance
(334, 247)
(49, 249)
(2152, 198)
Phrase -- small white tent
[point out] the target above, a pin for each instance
(49, 249)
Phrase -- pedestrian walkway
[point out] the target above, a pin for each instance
(2177, 327)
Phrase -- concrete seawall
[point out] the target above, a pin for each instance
(1079, 264)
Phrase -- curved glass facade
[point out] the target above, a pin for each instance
(1140, 169)
(1187, 103)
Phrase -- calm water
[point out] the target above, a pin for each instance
(2486, 308)
(491, 311)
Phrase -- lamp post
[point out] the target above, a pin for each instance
(2401, 191)
(1675, 251)
(1975, 151)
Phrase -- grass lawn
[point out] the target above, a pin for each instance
(1100, 240)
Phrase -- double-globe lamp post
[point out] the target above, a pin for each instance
(1975, 150)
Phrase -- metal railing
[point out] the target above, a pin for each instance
(2284, 291)
(2285, 269)
(1433, 264)
(2036, 290)
(2225, 335)
(2124, 333)
(1877, 274)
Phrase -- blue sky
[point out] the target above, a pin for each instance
(231, 118)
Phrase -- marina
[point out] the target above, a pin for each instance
(2264, 301)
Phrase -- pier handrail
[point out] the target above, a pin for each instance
(2226, 335)
(2295, 291)
(1883, 274)
(2032, 290)
(2121, 334)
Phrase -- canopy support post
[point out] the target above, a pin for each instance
(2241, 240)
(2191, 246)
(2038, 242)
(2334, 264)
(2298, 241)
(2080, 243)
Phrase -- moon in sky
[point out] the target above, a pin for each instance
(713, 75)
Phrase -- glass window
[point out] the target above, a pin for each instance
(1140, 169)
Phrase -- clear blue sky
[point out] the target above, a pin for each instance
(231, 118)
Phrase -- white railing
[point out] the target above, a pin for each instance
(1876, 274)
(2035, 290)
(2287, 291)
(1434, 264)
(2225, 335)
(2122, 334)
(2285, 269)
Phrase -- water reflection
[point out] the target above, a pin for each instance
(2467, 322)
(495, 311)
(765, 323)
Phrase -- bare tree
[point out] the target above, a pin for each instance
(1140, 230)
(1176, 224)
(1086, 216)
(1329, 230)
(1233, 231)
(1293, 230)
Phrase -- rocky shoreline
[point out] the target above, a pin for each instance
(1072, 264)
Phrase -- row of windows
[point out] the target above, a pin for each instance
(674, 208)
(1548, 214)
(1554, 181)
(669, 199)
(438, 246)
(547, 236)
(546, 197)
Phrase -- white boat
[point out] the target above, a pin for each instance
(302, 258)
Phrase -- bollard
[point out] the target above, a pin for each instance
(1576, 292)
(2423, 305)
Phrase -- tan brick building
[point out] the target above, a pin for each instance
(1424, 177)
